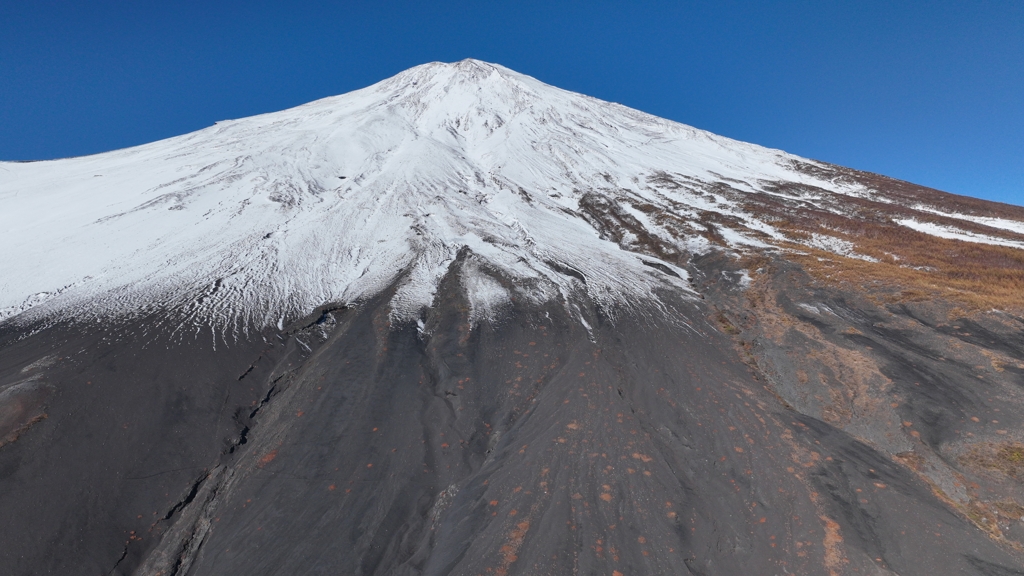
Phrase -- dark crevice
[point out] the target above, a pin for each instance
(181, 558)
(250, 368)
(185, 549)
(320, 315)
(243, 433)
(661, 267)
(124, 555)
(243, 437)
(262, 403)
(189, 498)
(566, 270)
(191, 545)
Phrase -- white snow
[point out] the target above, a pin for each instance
(745, 279)
(957, 234)
(486, 295)
(1001, 223)
(837, 246)
(259, 220)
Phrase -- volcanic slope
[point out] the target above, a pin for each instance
(463, 322)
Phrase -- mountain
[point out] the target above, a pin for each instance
(463, 322)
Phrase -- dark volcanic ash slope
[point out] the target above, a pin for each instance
(464, 323)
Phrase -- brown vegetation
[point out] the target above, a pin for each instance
(913, 266)
(907, 193)
(910, 264)
(1007, 458)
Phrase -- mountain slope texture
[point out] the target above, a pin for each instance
(463, 322)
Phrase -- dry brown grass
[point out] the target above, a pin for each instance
(911, 264)
(1005, 458)
(915, 266)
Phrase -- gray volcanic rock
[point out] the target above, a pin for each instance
(530, 333)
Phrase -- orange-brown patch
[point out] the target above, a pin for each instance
(266, 459)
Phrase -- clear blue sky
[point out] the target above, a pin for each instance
(927, 91)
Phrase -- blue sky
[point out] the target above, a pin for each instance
(931, 92)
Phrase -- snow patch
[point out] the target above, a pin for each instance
(1001, 223)
(957, 234)
(486, 295)
(745, 279)
(837, 246)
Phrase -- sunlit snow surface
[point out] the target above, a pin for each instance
(258, 221)
(957, 234)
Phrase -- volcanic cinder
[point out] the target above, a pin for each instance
(463, 322)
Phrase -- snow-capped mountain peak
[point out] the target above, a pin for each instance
(260, 220)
